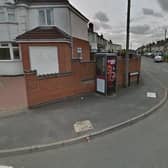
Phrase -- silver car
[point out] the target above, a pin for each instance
(158, 58)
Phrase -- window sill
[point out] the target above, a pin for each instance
(6, 22)
(10, 60)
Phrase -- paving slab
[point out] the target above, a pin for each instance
(12, 95)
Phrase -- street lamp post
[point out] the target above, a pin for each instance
(127, 44)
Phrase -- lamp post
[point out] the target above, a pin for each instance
(127, 44)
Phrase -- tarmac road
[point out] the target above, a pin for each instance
(143, 145)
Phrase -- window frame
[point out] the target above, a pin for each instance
(6, 47)
(6, 11)
(9, 13)
(79, 51)
(46, 20)
(11, 51)
(3, 11)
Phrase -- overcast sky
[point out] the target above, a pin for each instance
(149, 18)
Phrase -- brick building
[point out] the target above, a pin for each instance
(53, 69)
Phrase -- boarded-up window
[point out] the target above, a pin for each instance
(44, 59)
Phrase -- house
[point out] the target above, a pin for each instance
(99, 44)
(20, 16)
(161, 45)
(55, 51)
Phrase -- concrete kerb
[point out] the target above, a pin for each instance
(84, 138)
(10, 113)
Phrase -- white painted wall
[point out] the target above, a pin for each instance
(116, 47)
(62, 19)
(44, 59)
(79, 27)
(11, 68)
(8, 32)
(28, 18)
(33, 19)
(93, 41)
(22, 19)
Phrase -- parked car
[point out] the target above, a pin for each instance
(158, 58)
(150, 55)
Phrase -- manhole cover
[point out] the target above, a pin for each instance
(151, 95)
(82, 126)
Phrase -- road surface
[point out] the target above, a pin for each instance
(143, 145)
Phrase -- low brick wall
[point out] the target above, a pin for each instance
(134, 66)
(81, 79)
(43, 89)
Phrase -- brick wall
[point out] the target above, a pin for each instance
(134, 66)
(74, 77)
(50, 88)
(78, 43)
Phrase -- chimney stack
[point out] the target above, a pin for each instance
(91, 27)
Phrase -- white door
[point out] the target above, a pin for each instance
(44, 59)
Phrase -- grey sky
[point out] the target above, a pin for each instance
(148, 19)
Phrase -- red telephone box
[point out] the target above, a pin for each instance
(106, 66)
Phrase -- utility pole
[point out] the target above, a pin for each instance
(127, 44)
(165, 34)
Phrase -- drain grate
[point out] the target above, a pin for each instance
(82, 126)
(151, 95)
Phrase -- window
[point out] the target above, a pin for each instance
(11, 15)
(16, 54)
(46, 17)
(7, 14)
(4, 53)
(42, 17)
(79, 53)
(2, 14)
(9, 51)
(44, 59)
(15, 51)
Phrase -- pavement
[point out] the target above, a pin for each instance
(54, 122)
(12, 95)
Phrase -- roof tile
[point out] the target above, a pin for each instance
(45, 32)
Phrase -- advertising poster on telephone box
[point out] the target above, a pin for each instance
(111, 75)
